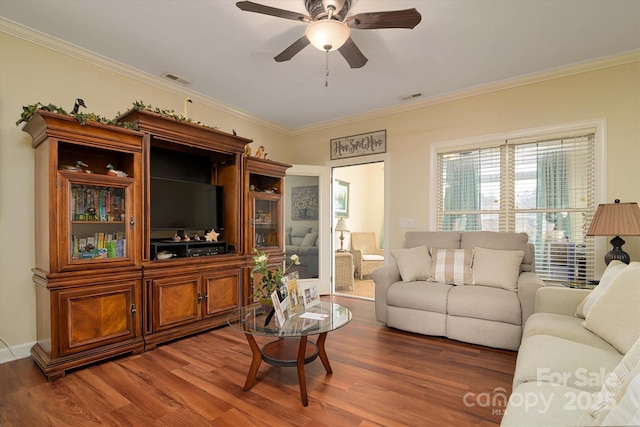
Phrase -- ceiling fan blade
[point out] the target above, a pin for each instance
(292, 50)
(407, 18)
(352, 54)
(250, 6)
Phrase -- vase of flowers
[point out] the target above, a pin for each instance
(271, 280)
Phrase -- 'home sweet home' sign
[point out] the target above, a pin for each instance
(359, 145)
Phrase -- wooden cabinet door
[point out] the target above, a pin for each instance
(266, 221)
(222, 292)
(99, 315)
(176, 301)
(97, 222)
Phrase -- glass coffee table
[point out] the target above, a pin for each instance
(291, 346)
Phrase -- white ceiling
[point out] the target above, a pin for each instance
(227, 54)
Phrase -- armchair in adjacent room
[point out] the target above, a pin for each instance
(367, 256)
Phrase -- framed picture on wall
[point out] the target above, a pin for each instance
(304, 203)
(341, 199)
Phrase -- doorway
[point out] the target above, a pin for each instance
(364, 183)
(359, 209)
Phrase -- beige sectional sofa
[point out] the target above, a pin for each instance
(477, 287)
(579, 361)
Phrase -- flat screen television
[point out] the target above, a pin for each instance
(183, 205)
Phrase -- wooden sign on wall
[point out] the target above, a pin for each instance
(359, 145)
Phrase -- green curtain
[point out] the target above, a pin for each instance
(462, 193)
(552, 193)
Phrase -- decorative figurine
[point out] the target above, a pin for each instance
(78, 167)
(196, 237)
(260, 151)
(165, 255)
(211, 236)
(186, 238)
(79, 103)
(185, 113)
(92, 215)
(247, 150)
(114, 172)
(176, 238)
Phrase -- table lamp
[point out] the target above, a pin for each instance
(616, 219)
(341, 226)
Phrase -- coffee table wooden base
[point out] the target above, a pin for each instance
(288, 352)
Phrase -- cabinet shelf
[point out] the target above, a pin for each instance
(195, 248)
(97, 222)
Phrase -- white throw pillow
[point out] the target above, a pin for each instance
(615, 316)
(496, 268)
(606, 397)
(309, 239)
(413, 263)
(626, 411)
(451, 266)
(610, 272)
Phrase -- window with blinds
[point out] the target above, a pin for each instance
(544, 187)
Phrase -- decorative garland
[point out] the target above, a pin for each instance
(140, 106)
(29, 110)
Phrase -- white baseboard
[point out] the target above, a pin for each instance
(21, 350)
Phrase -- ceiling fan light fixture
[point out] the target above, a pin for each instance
(327, 34)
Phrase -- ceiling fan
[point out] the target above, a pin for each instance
(330, 28)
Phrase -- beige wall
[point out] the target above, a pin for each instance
(366, 199)
(31, 73)
(611, 93)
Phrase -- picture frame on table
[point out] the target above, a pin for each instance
(293, 292)
(280, 318)
(310, 296)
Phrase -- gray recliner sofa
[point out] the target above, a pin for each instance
(478, 313)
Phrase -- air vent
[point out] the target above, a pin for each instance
(413, 96)
(175, 78)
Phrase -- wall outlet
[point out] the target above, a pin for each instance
(407, 222)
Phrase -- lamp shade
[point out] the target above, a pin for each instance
(616, 219)
(342, 225)
(327, 34)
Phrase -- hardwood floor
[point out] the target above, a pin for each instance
(381, 377)
(361, 288)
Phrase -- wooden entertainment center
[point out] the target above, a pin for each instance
(101, 288)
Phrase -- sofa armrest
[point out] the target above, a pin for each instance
(528, 284)
(376, 251)
(559, 300)
(383, 277)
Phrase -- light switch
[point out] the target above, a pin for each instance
(407, 222)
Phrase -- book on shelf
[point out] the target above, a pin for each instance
(90, 203)
(111, 248)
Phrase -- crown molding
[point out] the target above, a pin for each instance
(584, 67)
(49, 42)
(28, 34)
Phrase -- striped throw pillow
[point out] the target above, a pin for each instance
(451, 266)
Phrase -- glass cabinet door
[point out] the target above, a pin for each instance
(100, 219)
(266, 221)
